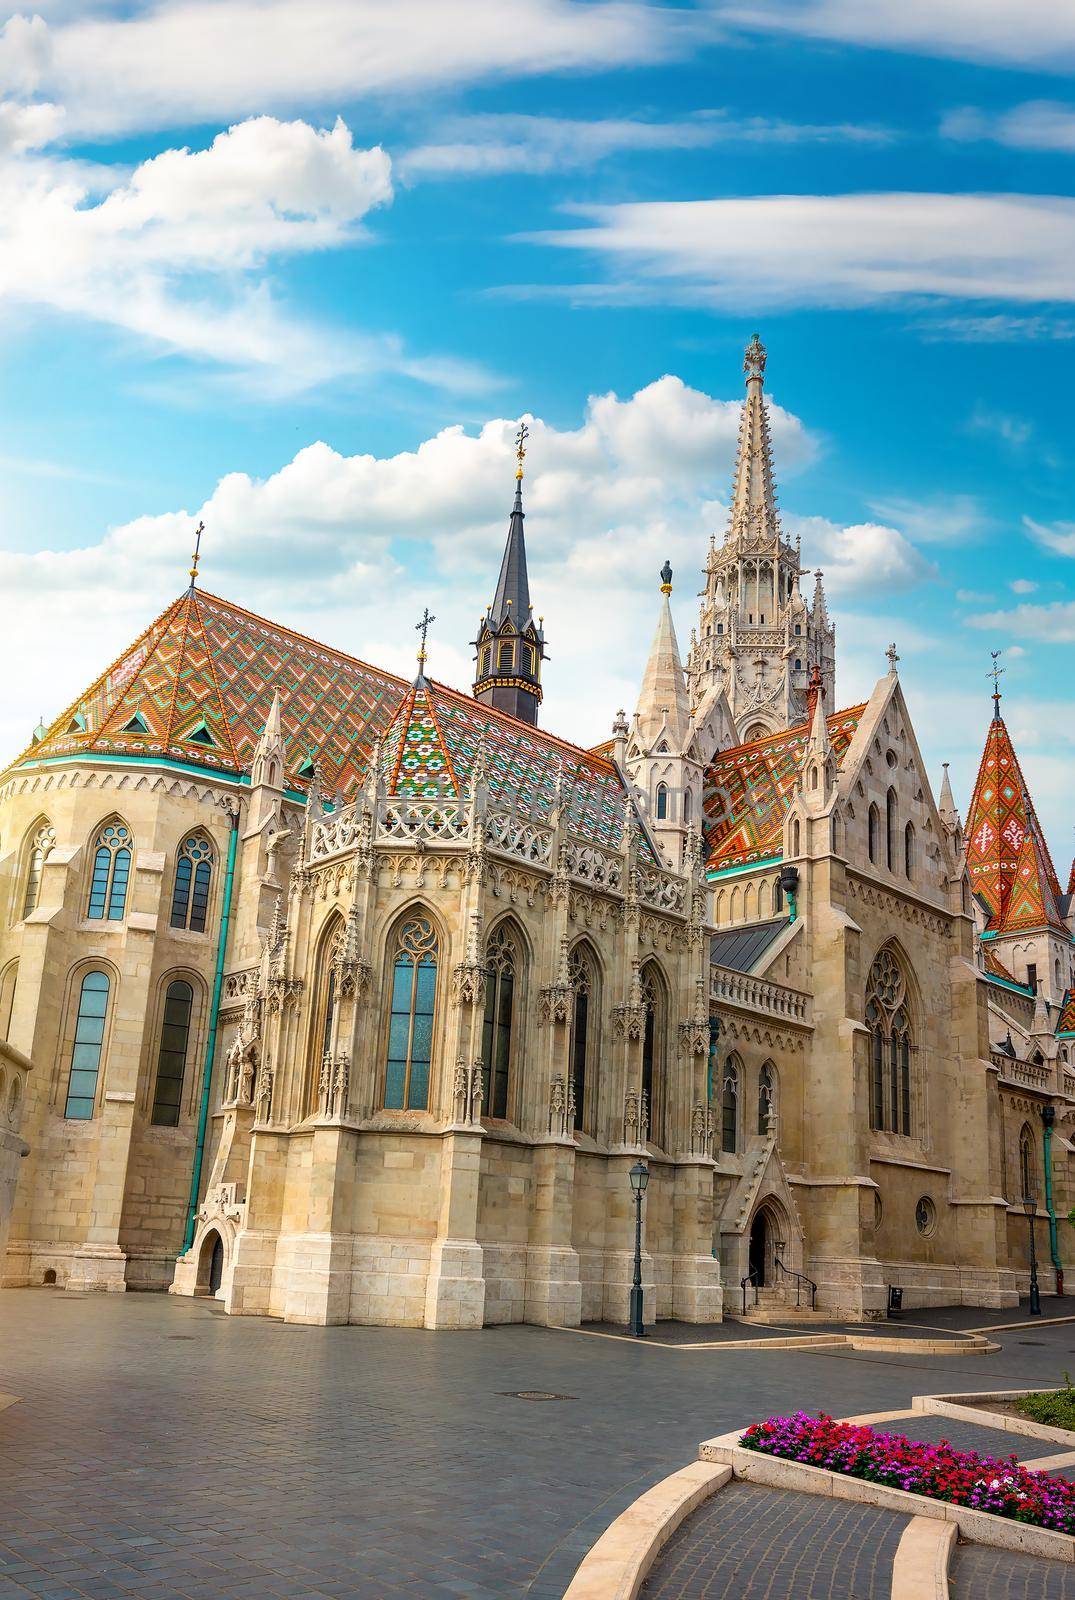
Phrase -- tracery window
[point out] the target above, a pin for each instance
(111, 870)
(584, 988)
(729, 1107)
(87, 1047)
(889, 1022)
(172, 1054)
(193, 875)
(766, 1096)
(653, 1052)
(1026, 1163)
(501, 969)
(410, 1028)
(40, 845)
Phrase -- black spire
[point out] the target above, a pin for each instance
(510, 645)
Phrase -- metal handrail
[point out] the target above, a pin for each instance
(800, 1280)
(751, 1278)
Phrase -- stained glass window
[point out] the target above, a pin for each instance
(40, 845)
(111, 870)
(86, 1050)
(501, 960)
(410, 1026)
(193, 876)
(889, 1022)
(172, 1054)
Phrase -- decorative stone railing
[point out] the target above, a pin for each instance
(429, 821)
(338, 831)
(603, 869)
(1031, 1074)
(1069, 1084)
(238, 984)
(661, 890)
(512, 835)
(727, 987)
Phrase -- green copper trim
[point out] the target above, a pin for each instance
(750, 866)
(242, 779)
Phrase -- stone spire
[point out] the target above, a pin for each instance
(946, 806)
(756, 638)
(510, 646)
(267, 766)
(663, 710)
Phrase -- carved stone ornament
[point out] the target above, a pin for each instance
(263, 1092)
(629, 1021)
(555, 1002)
(467, 1091)
(558, 1117)
(701, 1131)
(694, 1037)
(635, 1118)
(283, 992)
(468, 983)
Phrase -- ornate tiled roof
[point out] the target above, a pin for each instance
(1065, 1022)
(749, 789)
(996, 968)
(197, 687)
(1007, 858)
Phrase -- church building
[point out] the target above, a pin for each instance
(346, 998)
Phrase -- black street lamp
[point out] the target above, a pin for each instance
(639, 1176)
(1030, 1206)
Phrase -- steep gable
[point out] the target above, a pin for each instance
(1008, 860)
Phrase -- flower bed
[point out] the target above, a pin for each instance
(960, 1477)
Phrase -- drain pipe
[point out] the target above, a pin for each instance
(210, 1043)
(1048, 1118)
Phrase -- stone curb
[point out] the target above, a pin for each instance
(961, 1345)
(975, 1345)
(616, 1566)
(923, 1555)
(962, 1408)
(980, 1527)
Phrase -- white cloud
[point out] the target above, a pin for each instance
(866, 557)
(1038, 33)
(998, 328)
(1022, 586)
(1035, 125)
(941, 519)
(1059, 537)
(187, 62)
(854, 249)
(1015, 432)
(28, 127)
(349, 548)
(971, 597)
(177, 251)
(1051, 624)
(490, 144)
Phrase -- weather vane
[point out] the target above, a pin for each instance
(199, 530)
(520, 447)
(422, 627)
(892, 657)
(996, 673)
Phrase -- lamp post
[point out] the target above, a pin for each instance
(639, 1176)
(1030, 1206)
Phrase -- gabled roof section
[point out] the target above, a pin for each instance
(749, 789)
(1007, 858)
(1065, 1022)
(414, 758)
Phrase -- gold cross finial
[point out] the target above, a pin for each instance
(199, 530)
(520, 447)
(422, 627)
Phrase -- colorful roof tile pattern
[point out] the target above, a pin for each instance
(197, 687)
(749, 789)
(1007, 858)
(1065, 1022)
(996, 968)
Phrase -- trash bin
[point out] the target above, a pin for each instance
(895, 1300)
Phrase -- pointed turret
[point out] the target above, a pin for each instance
(510, 645)
(946, 806)
(756, 639)
(663, 711)
(819, 758)
(267, 766)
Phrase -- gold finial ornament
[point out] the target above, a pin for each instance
(422, 627)
(520, 447)
(666, 578)
(199, 530)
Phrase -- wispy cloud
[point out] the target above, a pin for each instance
(1012, 431)
(1059, 537)
(1050, 624)
(1038, 33)
(487, 145)
(1035, 125)
(849, 250)
(940, 519)
(997, 328)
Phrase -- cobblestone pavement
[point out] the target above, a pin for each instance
(758, 1544)
(978, 1573)
(163, 1451)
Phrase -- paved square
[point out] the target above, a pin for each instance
(161, 1449)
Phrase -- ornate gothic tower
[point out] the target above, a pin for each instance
(510, 645)
(757, 639)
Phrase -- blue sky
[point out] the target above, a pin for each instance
(300, 269)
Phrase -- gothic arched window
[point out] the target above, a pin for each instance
(584, 1013)
(1026, 1162)
(890, 830)
(8, 981)
(729, 1107)
(172, 1054)
(87, 1047)
(909, 850)
(661, 808)
(653, 1051)
(42, 842)
(410, 1028)
(766, 1096)
(873, 829)
(111, 870)
(501, 968)
(889, 1022)
(193, 874)
(688, 806)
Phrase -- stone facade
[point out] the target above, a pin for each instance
(384, 1051)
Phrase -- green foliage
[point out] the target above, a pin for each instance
(1057, 1410)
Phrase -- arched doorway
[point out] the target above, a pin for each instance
(759, 1247)
(211, 1263)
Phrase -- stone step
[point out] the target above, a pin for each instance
(780, 1313)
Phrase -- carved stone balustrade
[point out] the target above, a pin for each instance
(336, 832)
(1028, 1074)
(662, 891)
(589, 863)
(404, 821)
(508, 834)
(759, 995)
